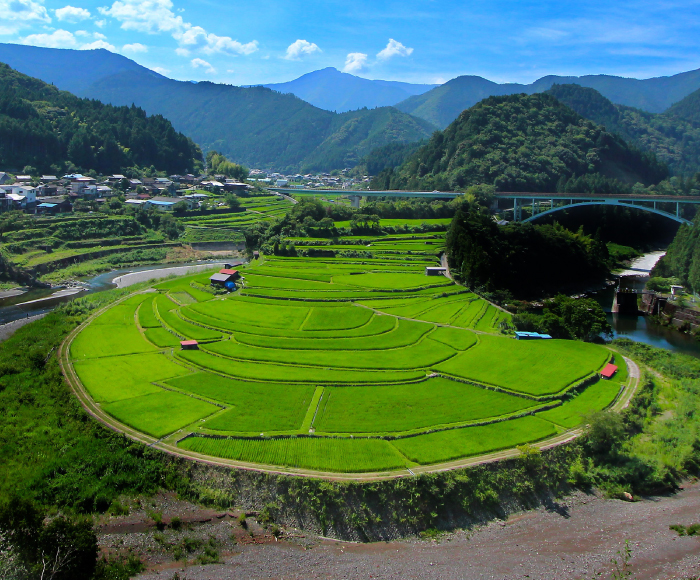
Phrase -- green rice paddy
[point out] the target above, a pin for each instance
(335, 364)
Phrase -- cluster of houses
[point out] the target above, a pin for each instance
(310, 180)
(52, 194)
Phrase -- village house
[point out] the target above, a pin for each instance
(4, 178)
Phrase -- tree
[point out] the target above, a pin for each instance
(232, 201)
(180, 207)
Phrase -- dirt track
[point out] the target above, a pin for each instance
(575, 540)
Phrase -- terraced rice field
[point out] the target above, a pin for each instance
(334, 365)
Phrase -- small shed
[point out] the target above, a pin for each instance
(676, 290)
(256, 255)
(435, 271)
(219, 279)
(609, 370)
(189, 345)
(235, 274)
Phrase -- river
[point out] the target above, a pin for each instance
(640, 328)
(39, 301)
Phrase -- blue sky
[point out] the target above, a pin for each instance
(427, 41)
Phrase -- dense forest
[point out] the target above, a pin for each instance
(673, 136)
(521, 259)
(687, 108)
(54, 131)
(521, 143)
(682, 259)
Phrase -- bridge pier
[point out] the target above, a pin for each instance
(355, 201)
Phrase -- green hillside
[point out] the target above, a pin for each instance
(688, 108)
(521, 143)
(673, 136)
(260, 127)
(46, 128)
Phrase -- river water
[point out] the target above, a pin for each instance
(640, 328)
(40, 301)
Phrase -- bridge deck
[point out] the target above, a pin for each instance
(500, 195)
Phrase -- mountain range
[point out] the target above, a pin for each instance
(442, 105)
(337, 91)
(255, 126)
(276, 127)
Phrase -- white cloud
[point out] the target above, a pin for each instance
(100, 23)
(196, 38)
(156, 16)
(145, 15)
(182, 52)
(57, 39)
(355, 62)
(82, 33)
(394, 48)
(65, 39)
(300, 48)
(16, 14)
(72, 14)
(135, 47)
(160, 70)
(199, 63)
(99, 44)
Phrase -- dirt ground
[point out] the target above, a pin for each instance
(578, 539)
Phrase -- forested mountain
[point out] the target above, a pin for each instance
(443, 104)
(262, 128)
(524, 143)
(337, 91)
(254, 126)
(688, 108)
(43, 127)
(674, 139)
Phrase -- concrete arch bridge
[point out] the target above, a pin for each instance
(540, 204)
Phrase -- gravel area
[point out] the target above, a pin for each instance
(7, 330)
(577, 539)
(146, 275)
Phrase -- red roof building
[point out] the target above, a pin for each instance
(608, 371)
(229, 272)
(189, 345)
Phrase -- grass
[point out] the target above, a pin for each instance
(339, 455)
(343, 318)
(433, 402)
(240, 312)
(147, 317)
(391, 281)
(255, 407)
(538, 367)
(469, 441)
(109, 340)
(573, 412)
(161, 337)
(166, 310)
(401, 333)
(422, 355)
(126, 377)
(285, 373)
(159, 414)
